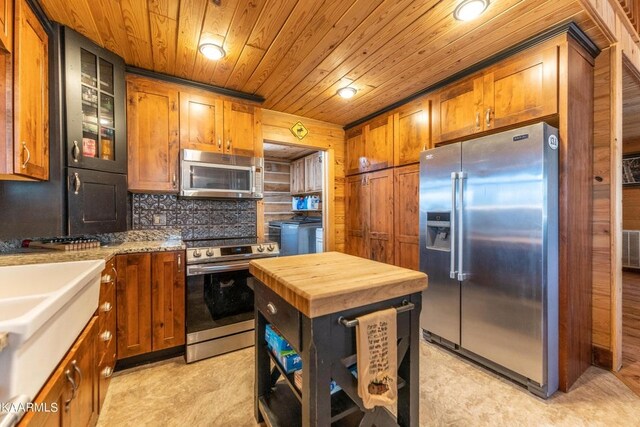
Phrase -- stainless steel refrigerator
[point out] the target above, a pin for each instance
(489, 244)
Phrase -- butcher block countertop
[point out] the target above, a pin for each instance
(329, 282)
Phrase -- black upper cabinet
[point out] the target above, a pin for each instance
(95, 106)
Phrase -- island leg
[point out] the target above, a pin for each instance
(316, 374)
(409, 395)
(262, 374)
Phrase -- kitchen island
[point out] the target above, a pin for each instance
(313, 300)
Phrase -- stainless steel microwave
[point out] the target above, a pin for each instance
(213, 175)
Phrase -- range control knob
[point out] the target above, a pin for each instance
(209, 252)
(270, 248)
(260, 248)
(197, 253)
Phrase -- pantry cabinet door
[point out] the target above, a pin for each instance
(6, 25)
(459, 110)
(313, 173)
(297, 177)
(201, 122)
(357, 216)
(380, 229)
(133, 304)
(521, 89)
(167, 299)
(405, 218)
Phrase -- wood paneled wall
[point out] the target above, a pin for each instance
(324, 137)
(601, 269)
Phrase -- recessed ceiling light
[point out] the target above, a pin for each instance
(212, 51)
(470, 9)
(347, 92)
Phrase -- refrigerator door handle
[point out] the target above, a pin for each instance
(461, 274)
(452, 269)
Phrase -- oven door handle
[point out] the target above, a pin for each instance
(195, 270)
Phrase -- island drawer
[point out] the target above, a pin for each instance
(280, 314)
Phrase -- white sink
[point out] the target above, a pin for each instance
(43, 308)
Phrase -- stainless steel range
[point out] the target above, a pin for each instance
(220, 294)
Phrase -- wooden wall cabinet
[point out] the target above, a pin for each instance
(71, 387)
(370, 147)
(518, 90)
(297, 176)
(150, 295)
(201, 122)
(313, 173)
(241, 128)
(25, 150)
(6, 25)
(152, 130)
(405, 217)
(412, 131)
(369, 219)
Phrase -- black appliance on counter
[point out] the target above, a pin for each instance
(219, 305)
(296, 235)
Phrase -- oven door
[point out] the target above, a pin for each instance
(219, 301)
(217, 180)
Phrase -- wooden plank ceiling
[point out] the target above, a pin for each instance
(280, 152)
(297, 53)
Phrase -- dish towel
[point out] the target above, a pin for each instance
(376, 344)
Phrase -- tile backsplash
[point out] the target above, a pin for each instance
(196, 218)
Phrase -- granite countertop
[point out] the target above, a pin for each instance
(328, 282)
(106, 252)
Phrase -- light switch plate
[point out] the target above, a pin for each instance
(160, 219)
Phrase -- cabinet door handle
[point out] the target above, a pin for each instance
(25, 148)
(229, 144)
(74, 388)
(219, 143)
(174, 180)
(180, 261)
(106, 279)
(477, 119)
(487, 117)
(106, 336)
(107, 372)
(75, 151)
(78, 371)
(76, 182)
(115, 273)
(271, 308)
(106, 307)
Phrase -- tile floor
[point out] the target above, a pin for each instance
(453, 392)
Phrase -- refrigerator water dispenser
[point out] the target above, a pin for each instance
(439, 231)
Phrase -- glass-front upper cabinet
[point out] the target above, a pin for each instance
(95, 106)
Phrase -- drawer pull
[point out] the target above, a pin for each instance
(271, 308)
(77, 369)
(107, 372)
(26, 149)
(106, 307)
(106, 336)
(74, 388)
(106, 278)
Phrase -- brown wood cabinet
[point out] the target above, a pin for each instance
(25, 150)
(370, 147)
(405, 218)
(412, 131)
(201, 122)
(297, 176)
(152, 135)
(313, 173)
(517, 90)
(150, 294)
(369, 219)
(71, 387)
(242, 130)
(6, 25)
